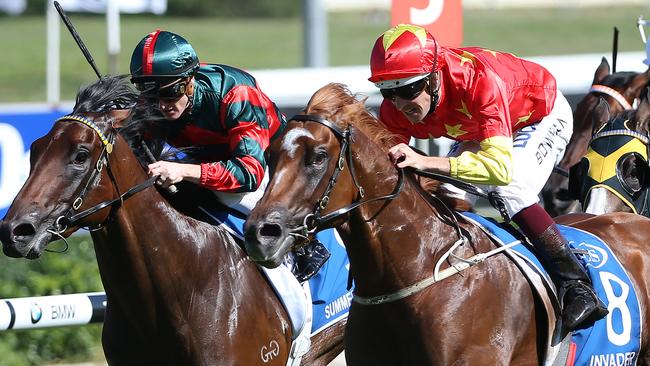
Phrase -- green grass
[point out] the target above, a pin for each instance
(557, 31)
(277, 43)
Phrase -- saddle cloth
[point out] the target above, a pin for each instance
(325, 292)
(614, 340)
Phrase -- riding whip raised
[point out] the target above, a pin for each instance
(614, 49)
(172, 188)
(76, 37)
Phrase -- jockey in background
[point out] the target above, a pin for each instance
(512, 124)
(217, 110)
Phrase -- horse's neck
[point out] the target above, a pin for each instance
(389, 237)
(150, 248)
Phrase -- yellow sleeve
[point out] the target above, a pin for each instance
(492, 164)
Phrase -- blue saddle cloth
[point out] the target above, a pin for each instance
(330, 298)
(613, 340)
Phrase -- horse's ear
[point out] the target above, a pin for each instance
(601, 71)
(601, 115)
(642, 114)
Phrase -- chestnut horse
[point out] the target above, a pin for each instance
(619, 90)
(180, 291)
(331, 168)
(614, 175)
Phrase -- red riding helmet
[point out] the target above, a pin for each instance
(402, 55)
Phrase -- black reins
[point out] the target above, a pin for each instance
(315, 220)
(493, 197)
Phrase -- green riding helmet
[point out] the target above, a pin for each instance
(161, 56)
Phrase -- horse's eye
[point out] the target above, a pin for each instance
(317, 158)
(81, 157)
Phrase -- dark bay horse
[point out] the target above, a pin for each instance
(333, 158)
(619, 90)
(180, 291)
(614, 175)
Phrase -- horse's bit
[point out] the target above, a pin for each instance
(108, 142)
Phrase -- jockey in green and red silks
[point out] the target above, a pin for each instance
(224, 119)
(218, 110)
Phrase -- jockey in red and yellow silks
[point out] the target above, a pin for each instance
(478, 104)
(512, 125)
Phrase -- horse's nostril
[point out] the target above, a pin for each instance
(24, 229)
(273, 230)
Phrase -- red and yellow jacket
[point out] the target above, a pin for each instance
(485, 96)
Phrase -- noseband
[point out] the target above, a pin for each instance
(108, 142)
(315, 221)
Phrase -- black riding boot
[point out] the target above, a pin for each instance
(580, 304)
(309, 259)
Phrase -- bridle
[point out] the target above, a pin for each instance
(604, 89)
(315, 221)
(70, 218)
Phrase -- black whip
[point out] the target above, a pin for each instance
(76, 37)
(614, 49)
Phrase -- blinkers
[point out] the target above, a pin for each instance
(617, 160)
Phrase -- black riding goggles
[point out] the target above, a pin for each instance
(406, 92)
(169, 92)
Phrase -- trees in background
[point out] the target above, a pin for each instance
(206, 8)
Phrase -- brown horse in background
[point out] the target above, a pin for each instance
(331, 168)
(180, 291)
(627, 86)
(614, 175)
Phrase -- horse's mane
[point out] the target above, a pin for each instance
(108, 93)
(144, 121)
(336, 103)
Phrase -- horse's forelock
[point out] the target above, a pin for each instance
(619, 79)
(144, 120)
(336, 103)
